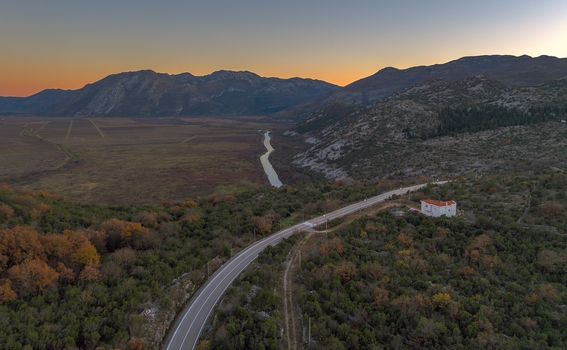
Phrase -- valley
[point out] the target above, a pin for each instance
(118, 160)
(234, 211)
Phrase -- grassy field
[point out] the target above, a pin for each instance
(124, 161)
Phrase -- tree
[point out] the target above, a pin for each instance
(20, 243)
(262, 223)
(124, 257)
(441, 299)
(204, 345)
(65, 273)
(32, 277)
(6, 212)
(549, 292)
(430, 329)
(57, 246)
(111, 271)
(381, 297)
(374, 271)
(148, 219)
(338, 245)
(334, 245)
(405, 239)
(136, 344)
(190, 203)
(551, 261)
(346, 271)
(3, 262)
(77, 238)
(99, 239)
(330, 205)
(193, 217)
(478, 246)
(90, 273)
(86, 254)
(134, 230)
(121, 233)
(552, 209)
(467, 271)
(7, 294)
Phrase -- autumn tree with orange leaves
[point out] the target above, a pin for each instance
(7, 294)
(32, 277)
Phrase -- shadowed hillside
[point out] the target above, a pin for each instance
(147, 93)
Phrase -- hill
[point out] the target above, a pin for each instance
(147, 93)
(511, 70)
(491, 278)
(442, 126)
(90, 276)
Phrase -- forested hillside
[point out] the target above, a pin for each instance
(495, 277)
(78, 276)
(460, 120)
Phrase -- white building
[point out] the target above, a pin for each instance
(430, 207)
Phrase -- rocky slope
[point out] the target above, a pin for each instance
(147, 93)
(438, 127)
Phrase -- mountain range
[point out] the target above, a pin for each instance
(510, 70)
(147, 93)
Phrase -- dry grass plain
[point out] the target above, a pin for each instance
(122, 161)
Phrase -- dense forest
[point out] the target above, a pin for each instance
(250, 315)
(493, 277)
(78, 276)
(470, 119)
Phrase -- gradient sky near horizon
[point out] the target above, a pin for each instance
(68, 43)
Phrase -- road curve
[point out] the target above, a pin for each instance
(190, 323)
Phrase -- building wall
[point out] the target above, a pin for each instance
(435, 211)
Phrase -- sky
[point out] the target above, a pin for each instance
(69, 43)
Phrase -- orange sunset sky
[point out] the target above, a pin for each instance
(66, 44)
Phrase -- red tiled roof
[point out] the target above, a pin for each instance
(439, 203)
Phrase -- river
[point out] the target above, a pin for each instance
(268, 168)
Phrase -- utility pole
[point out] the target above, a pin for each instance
(326, 227)
(309, 334)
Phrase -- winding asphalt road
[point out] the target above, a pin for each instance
(190, 323)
